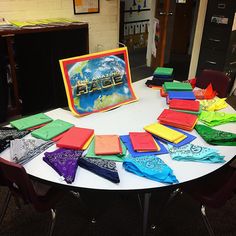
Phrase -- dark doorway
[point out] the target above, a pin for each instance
(134, 20)
(178, 55)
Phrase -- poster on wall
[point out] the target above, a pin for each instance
(86, 6)
(97, 82)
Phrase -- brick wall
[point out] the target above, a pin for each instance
(103, 26)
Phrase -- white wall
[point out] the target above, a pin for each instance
(103, 26)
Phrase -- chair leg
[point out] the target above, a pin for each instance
(51, 229)
(172, 196)
(206, 221)
(5, 205)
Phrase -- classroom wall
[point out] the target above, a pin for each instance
(103, 26)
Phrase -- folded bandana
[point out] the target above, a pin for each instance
(29, 155)
(104, 168)
(64, 162)
(150, 167)
(216, 137)
(20, 147)
(214, 118)
(7, 134)
(213, 104)
(192, 152)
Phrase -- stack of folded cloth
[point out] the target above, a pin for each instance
(177, 90)
(150, 167)
(169, 135)
(214, 118)
(196, 153)
(187, 106)
(160, 75)
(31, 122)
(216, 137)
(52, 129)
(142, 144)
(107, 147)
(76, 138)
(178, 119)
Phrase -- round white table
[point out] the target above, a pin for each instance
(130, 117)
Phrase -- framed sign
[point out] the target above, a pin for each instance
(97, 82)
(86, 6)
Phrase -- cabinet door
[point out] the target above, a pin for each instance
(40, 79)
(34, 71)
(65, 44)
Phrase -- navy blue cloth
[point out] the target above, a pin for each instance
(104, 168)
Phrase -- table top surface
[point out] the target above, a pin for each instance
(130, 117)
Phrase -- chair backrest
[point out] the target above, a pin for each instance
(215, 190)
(17, 180)
(221, 83)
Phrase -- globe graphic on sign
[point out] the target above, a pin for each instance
(90, 75)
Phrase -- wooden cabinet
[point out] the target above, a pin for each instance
(218, 38)
(36, 53)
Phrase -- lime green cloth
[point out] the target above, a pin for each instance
(91, 153)
(214, 118)
(30, 121)
(216, 137)
(52, 129)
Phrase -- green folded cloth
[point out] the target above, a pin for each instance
(52, 129)
(30, 121)
(216, 137)
(119, 157)
(189, 112)
(163, 71)
(177, 86)
(214, 118)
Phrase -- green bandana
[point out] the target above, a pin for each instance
(216, 137)
(214, 118)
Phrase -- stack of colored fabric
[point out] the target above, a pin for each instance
(160, 75)
(126, 139)
(178, 119)
(169, 135)
(106, 147)
(76, 138)
(177, 90)
(187, 106)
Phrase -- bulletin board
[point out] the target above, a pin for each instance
(97, 82)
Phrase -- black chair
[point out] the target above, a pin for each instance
(213, 191)
(21, 186)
